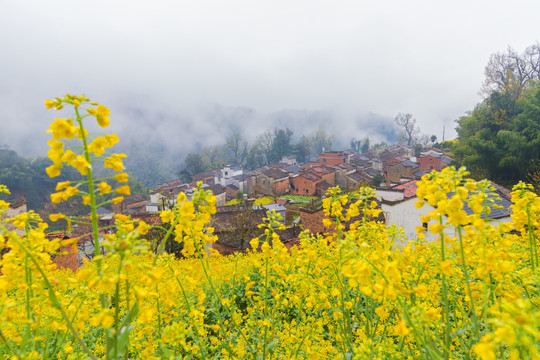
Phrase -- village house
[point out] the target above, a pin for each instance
(332, 158)
(131, 205)
(206, 177)
(398, 205)
(232, 175)
(66, 257)
(13, 210)
(433, 161)
(312, 218)
(288, 160)
(403, 150)
(397, 170)
(219, 192)
(305, 183)
(269, 182)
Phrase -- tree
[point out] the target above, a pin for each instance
(194, 163)
(264, 144)
(236, 148)
(501, 136)
(355, 144)
(365, 145)
(255, 157)
(321, 141)
(281, 144)
(408, 124)
(362, 146)
(433, 138)
(510, 73)
(214, 155)
(302, 150)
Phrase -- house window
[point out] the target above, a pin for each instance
(430, 167)
(323, 160)
(307, 191)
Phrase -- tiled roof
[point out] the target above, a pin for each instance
(419, 173)
(494, 213)
(322, 169)
(409, 163)
(102, 211)
(392, 161)
(133, 199)
(216, 189)
(309, 175)
(358, 177)
(293, 169)
(242, 177)
(345, 166)
(323, 185)
(503, 192)
(409, 188)
(372, 172)
(276, 174)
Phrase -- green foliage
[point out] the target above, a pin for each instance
(300, 198)
(377, 180)
(281, 145)
(150, 163)
(195, 163)
(27, 177)
(501, 136)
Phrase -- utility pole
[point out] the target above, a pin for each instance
(443, 133)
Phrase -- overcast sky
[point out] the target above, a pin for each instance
(426, 58)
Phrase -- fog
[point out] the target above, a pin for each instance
(184, 74)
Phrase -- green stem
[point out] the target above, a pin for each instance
(4, 340)
(467, 279)
(265, 304)
(445, 301)
(164, 240)
(56, 303)
(532, 240)
(90, 179)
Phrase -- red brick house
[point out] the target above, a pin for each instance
(326, 173)
(67, 257)
(270, 182)
(332, 158)
(305, 183)
(433, 161)
(403, 169)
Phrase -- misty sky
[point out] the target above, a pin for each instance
(164, 65)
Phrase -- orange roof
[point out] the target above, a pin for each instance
(409, 188)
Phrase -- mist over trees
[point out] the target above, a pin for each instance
(269, 147)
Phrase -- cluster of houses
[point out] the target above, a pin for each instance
(395, 172)
(347, 169)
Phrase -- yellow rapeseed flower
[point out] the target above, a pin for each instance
(117, 200)
(63, 129)
(115, 162)
(104, 188)
(123, 190)
(80, 164)
(53, 170)
(122, 177)
(102, 116)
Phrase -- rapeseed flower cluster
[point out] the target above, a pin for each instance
(350, 293)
